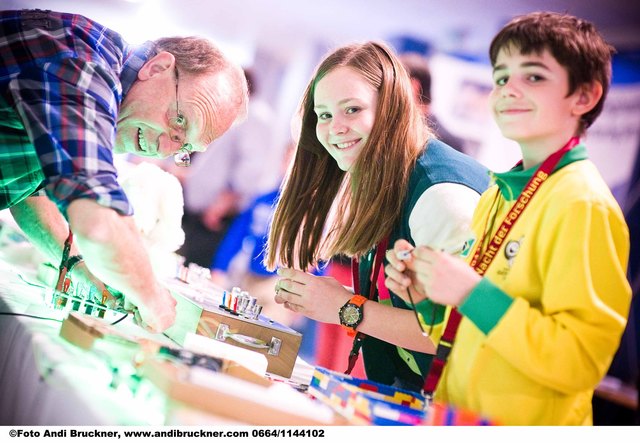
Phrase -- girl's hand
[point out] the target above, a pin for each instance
(319, 298)
(401, 278)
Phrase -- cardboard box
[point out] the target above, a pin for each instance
(95, 334)
(200, 313)
(279, 343)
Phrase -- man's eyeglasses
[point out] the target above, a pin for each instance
(179, 122)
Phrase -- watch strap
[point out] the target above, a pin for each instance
(357, 300)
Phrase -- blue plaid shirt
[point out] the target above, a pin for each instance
(62, 79)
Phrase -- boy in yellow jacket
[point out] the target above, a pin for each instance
(545, 300)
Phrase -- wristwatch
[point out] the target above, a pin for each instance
(352, 313)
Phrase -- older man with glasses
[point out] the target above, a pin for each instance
(72, 93)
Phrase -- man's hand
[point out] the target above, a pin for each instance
(87, 283)
(157, 315)
(114, 252)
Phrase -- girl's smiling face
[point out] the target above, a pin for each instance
(345, 103)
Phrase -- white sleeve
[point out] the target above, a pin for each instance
(442, 216)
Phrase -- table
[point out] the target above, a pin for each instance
(45, 380)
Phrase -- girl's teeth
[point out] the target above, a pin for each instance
(345, 145)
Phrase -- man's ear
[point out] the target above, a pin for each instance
(161, 63)
(587, 97)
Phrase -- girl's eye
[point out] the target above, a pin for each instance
(352, 110)
(535, 78)
(324, 116)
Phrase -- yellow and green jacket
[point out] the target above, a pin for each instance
(384, 362)
(540, 330)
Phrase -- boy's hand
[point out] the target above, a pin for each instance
(401, 277)
(446, 279)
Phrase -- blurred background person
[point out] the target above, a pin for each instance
(238, 261)
(418, 69)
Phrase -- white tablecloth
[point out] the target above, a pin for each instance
(44, 380)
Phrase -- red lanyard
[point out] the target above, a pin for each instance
(377, 265)
(376, 278)
(64, 265)
(481, 263)
(483, 258)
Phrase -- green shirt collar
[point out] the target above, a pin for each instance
(512, 182)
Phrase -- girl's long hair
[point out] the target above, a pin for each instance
(323, 211)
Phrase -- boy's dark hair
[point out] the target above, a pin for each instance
(573, 42)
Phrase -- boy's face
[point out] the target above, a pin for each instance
(529, 98)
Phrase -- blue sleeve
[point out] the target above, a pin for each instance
(259, 231)
(232, 242)
(257, 256)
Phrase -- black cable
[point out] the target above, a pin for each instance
(18, 314)
(120, 319)
(433, 315)
(172, 339)
(32, 284)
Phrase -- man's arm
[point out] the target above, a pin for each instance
(46, 228)
(40, 220)
(110, 244)
(114, 252)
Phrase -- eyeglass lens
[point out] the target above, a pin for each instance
(182, 158)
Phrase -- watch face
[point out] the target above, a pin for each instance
(350, 315)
